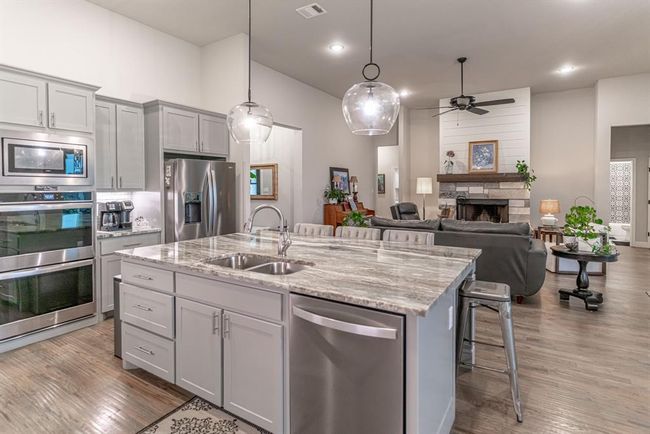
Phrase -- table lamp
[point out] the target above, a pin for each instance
(354, 185)
(424, 186)
(548, 207)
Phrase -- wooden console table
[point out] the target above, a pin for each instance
(334, 214)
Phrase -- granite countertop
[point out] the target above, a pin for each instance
(390, 276)
(126, 232)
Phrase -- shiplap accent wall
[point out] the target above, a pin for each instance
(509, 124)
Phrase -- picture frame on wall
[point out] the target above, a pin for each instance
(483, 156)
(381, 183)
(341, 177)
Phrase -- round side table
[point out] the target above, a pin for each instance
(592, 299)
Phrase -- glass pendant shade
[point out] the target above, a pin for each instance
(370, 108)
(250, 123)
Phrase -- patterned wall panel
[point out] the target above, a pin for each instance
(620, 190)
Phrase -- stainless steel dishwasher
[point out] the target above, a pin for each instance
(346, 369)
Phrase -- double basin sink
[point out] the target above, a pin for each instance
(259, 263)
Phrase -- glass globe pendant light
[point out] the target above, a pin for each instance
(370, 108)
(249, 122)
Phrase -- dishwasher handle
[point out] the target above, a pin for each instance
(347, 327)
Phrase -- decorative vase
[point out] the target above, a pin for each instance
(449, 168)
(333, 201)
(571, 243)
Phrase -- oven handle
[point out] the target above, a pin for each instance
(45, 206)
(46, 269)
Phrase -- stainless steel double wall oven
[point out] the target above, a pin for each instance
(46, 237)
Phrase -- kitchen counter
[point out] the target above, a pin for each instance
(394, 277)
(126, 232)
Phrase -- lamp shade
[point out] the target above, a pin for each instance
(250, 123)
(424, 186)
(370, 108)
(354, 179)
(549, 206)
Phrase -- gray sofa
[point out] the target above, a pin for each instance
(510, 255)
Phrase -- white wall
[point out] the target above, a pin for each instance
(562, 148)
(388, 164)
(80, 41)
(283, 148)
(224, 73)
(425, 158)
(509, 124)
(620, 101)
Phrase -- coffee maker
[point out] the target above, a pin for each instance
(115, 215)
(126, 221)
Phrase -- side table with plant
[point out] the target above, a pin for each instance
(580, 224)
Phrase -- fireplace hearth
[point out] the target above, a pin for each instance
(489, 210)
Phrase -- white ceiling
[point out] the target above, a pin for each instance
(509, 43)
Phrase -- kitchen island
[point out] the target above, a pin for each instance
(193, 317)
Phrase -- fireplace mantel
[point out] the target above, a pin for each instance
(480, 177)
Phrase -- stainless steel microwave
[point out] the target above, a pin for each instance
(38, 158)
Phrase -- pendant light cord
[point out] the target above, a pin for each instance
(371, 20)
(371, 63)
(250, 37)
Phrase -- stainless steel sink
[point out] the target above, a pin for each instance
(279, 268)
(240, 261)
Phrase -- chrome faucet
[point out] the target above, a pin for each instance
(284, 240)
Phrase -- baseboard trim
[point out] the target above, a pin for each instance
(641, 244)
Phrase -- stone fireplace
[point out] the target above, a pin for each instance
(496, 197)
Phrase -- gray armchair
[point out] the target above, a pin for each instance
(405, 211)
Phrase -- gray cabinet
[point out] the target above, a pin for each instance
(253, 370)
(22, 99)
(181, 129)
(119, 138)
(70, 108)
(213, 135)
(105, 145)
(130, 147)
(198, 349)
(110, 266)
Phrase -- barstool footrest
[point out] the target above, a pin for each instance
(487, 368)
(491, 344)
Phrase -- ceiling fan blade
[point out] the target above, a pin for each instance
(432, 108)
(440, 114)
(477, 111)
(494, 102)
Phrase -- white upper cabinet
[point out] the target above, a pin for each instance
(130, 147)
(22, 99)
(70, 108)
(214, 135)
(181, 129)
(105, 145)
(198, 349)
(253, 370)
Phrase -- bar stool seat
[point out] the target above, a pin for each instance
(496, 297)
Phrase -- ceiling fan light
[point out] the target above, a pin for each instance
(370, 108)
(250, 123)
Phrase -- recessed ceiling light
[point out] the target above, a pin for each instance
(336, 47)
(404, 92)
(566, 69)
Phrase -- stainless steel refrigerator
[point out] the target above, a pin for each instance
(199, 199)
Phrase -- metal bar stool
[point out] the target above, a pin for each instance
(496, 297)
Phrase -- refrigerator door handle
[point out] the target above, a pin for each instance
(208, 225)
(213, 204)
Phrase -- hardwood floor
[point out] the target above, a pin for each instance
(583, 372)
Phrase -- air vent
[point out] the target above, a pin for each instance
(311, 11)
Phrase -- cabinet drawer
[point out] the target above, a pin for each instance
(148, 351)
(110, 245)
(256, 302)
(149, 310)
(147, 277)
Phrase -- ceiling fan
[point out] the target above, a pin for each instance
(468, 103)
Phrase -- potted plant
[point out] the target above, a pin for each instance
(449, 163)
(334, 195)
(527, 173)
(355, 218)
(581, 226)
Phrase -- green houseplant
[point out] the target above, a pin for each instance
(580, 223)
(334, 195)
(355, 218)
(527, 173)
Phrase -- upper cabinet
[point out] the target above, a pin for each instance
(186, 130)
(36, 100)
(70, 108)
(22, 100)
(119, 138)
(214, 135)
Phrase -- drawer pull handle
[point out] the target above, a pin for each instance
(145, 350)
(215, 323)
(132, 245)
(226, 326)
(142, 277)
(141, 307)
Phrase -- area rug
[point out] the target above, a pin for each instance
(198, 416)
